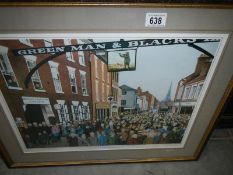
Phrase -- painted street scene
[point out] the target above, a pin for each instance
(121, 60)
(97, 92)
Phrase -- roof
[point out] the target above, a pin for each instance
(197, 79)
(201, 70)
(127, 88)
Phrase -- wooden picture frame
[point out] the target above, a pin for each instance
(202, 53)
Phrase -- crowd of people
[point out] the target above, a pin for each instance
(126, 129)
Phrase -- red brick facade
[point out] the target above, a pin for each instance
(20, 68)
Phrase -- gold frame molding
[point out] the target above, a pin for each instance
(208, 130)
(116, 4)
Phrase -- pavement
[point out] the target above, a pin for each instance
(216, 159)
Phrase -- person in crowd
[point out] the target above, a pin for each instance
(157, 136)
(73, 139)
(149, 137)
(40, 139)
(102, 140)
(107, 131)
(124, 136)
(82, 141)
(132, 139)
(30, 132)
(87, 130)
(40, 127)
(45, 137)
(79, 130)
(55, 132)
(35, 131)
(125, 129)
(112, 138)
(93, 139)
(64, 129)
(28, 141)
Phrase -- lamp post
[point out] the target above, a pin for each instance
(110, 98)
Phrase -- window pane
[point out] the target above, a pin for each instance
(7, 71)
(56, 79)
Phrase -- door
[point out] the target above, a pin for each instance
(33, 113)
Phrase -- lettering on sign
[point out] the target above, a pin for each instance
(109, 46)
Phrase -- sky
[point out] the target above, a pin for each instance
(159, 66)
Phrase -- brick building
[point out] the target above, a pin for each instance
(189, 88)
(104, 85)
(148, 101)
(60, 91)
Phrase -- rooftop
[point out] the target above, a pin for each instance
(127, 88)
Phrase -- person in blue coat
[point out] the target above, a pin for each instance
(102, 139)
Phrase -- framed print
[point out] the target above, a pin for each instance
(95, 97)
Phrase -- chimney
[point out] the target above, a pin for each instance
(203, 65)
(139, 91)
